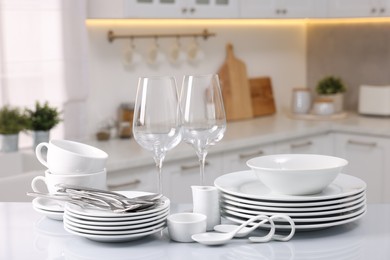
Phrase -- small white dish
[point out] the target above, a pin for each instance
(50, 214)
(48, 205)
(246, 185)
(181, 226)
(296, 174)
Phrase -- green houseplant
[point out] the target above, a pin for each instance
(12, 121)
(41, 120)
(332, 88)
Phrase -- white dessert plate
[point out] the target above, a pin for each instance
(76, 223)
(118, 219)
(114, 238)
(70, 225)
(165, 202)
(49, 205)
(116, 222)
(50, 214)
(307, 226)
(298, 210)
(292, 203)
(245, 184)
(298, 219)
(315, 215)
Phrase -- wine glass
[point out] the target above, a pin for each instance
(203, 114)
(156, 123)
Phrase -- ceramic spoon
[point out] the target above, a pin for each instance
(227, 228)
(213, 238)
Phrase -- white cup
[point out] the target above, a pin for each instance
(182, 226)
(301, 100)
(96, 180)
(206, 201)
(323, 107)
(68, 157)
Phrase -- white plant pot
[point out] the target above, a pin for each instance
(338, 101)
(40, 136)
(9, 143)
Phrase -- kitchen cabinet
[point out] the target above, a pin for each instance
(163, 9)
(282, 8)
(317, 144)
(358, 8)
(368, 159)
(236, 160)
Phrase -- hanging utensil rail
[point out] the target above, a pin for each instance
(111, 36)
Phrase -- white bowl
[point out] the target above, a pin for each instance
(296, 174)
(181, 226)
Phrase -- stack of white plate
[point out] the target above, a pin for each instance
(244, 196)
(107, 226)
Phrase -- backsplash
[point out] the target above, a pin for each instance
(357, 53)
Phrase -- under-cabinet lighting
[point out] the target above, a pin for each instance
(230, 22)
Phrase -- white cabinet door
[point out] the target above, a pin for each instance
(368, 159)
(139, 178)
(357, 8)
(181, 8)
(181, 175)
(320, 144)
(236, 160)
(282, 8)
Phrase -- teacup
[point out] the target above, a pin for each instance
(181, 226)
(69, 157)
(96, 180)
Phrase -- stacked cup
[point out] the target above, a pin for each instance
(71, 162)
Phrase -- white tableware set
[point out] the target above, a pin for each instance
(106, 226)
(308, 188)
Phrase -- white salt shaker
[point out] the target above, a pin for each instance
(206, 202)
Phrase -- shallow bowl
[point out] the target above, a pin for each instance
(296, 174)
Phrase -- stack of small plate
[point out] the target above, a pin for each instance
(50, 208)
(244, 196)
(108, 226)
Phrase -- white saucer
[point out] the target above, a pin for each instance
(50, 214)
(245, 184)
(48, 205)
(359, 198)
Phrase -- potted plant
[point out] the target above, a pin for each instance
(12, 121)
(333, 88)
(41, 120)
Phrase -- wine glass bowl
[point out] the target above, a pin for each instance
(203, 114)
(156, 123)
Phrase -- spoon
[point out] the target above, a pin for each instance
(226, 228)
(213, 238)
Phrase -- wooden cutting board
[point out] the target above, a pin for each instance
(263, 102)
(235, 87)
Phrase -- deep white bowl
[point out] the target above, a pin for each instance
(296, 174)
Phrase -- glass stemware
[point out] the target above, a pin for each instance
(203, 114)
(156, 123)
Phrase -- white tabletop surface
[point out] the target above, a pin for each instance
(25, 234)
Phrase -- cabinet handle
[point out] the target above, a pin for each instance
(193, 166)
(192, 10)
(116, 186)
(250, 155)
(184, 10)
(354, 142)
(382, 10)
(299, 145)
(373, 10)
(284, 11)
(278, 11)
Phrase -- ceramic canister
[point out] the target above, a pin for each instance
(301, 101)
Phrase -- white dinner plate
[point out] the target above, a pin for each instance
(119, 219)
(165, 202)
(292, 203)
(75, 222)
(245, 184)
(320, 210)
(298, 227)
(106, 223)
(114, 238)
(70, 225)
(48, 205)
(299, 219)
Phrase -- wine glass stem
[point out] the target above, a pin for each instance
(159, 175)
(202, 161)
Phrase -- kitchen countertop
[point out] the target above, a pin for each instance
(126, 153)
(25, 234)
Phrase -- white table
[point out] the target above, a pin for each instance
(25, 234)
